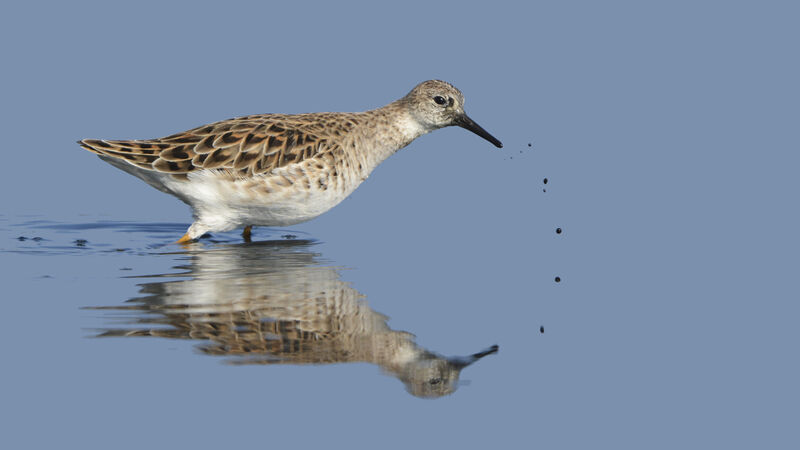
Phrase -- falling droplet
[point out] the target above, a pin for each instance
(541, 330)
(544, 181)
(529, 144)
(558, 279)
(558, 230)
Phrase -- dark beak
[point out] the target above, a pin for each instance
(465, 122)
(462, 362)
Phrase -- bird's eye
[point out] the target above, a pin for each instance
(435, 380)
(439, 100)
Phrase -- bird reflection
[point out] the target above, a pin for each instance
(276, 302)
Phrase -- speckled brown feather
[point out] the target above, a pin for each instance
(244, 146)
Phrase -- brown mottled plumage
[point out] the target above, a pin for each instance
(244, 146)
(279, 169)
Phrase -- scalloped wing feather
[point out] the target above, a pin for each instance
(245, 146)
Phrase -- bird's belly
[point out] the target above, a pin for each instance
(287, 209)
(228, 204)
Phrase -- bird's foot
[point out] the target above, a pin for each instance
(185, 239)
(246, 233)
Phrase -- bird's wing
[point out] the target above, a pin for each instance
(245, 146)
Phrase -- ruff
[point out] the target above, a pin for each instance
(279, 169)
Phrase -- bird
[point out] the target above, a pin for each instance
(282, 169)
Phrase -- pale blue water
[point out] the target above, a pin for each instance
(668, 135)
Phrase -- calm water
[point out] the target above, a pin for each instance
(110, 315)
(112, 329)
(268, 302)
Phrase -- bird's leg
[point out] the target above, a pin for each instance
(194, 232)
(185, 239)
(246, 233)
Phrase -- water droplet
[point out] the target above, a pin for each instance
(558, 279)
(544, 181)
(558, 230)
(541, 330)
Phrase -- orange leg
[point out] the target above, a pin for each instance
(185, 239)
(246, 233)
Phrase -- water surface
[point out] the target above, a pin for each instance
(267, 302)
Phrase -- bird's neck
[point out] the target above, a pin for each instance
(386, 130)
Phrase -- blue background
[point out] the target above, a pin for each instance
(669, 136)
